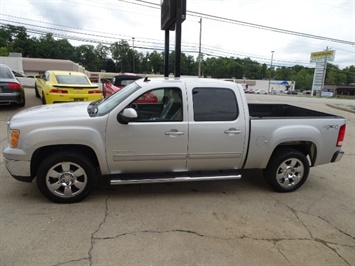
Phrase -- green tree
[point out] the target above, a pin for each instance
(120, 54)
(3, 51)
(86, 56)
(156, 61)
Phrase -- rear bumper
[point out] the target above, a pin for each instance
(60, 98)
(337, 156)
(11, 98)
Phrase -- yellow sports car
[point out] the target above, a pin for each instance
(66, 86)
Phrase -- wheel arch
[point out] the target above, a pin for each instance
(307, 148)
(41, 153)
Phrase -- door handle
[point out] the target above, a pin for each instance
(174, 132)
(232, 131)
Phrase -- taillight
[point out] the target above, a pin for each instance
(58, 91)
(14, 86)
(95, 91)
(341, 136)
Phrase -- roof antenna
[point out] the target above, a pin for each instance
(146, 79)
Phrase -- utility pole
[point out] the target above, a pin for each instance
(133, 54)
(199, 50)
(324, 70)
(272, 56)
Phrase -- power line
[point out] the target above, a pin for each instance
(208, 49)
(252, 25)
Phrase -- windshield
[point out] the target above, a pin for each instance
(111, 102)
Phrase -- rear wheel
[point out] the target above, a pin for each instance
(287, 170)
(36, 91)
(66, 177)
(43, 99)
(23, 102)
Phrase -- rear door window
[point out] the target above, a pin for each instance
(214, 104)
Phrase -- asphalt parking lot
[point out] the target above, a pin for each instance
(239, 222)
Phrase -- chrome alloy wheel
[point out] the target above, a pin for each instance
(66, 179)
(290, 172)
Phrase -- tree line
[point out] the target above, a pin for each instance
(120, 57)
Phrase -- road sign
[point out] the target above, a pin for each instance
(322, 56)
(319, 73)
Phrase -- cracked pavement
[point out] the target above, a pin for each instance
(238, 222)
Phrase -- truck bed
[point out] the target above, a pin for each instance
(283, 111)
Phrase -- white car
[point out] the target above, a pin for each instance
(260, 92)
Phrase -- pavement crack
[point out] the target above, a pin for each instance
(70, 261)
(98, 228)
(333, 249)
(317, 200)
(341, 231)
(300, 220)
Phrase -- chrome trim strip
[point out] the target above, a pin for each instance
(224, 155)
(176, 179)
(149, 157)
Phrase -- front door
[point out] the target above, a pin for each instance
(156, 141)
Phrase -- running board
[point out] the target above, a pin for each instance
(172, 179)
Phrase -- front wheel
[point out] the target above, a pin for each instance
(66, 177)
(287, 170)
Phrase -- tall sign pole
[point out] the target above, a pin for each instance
(321, 59)
(173, 13)
(166, 54)
(178, 38)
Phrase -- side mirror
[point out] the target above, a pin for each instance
(127, 115)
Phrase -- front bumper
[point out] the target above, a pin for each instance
(17, 164)
(20, 170)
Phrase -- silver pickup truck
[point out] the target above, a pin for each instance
(168, 130)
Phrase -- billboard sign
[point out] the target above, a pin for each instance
(322, 56)
(168, 13)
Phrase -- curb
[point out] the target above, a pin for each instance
(342, 108)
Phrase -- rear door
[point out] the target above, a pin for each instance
(217, 130)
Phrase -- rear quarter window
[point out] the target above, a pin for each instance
(214, 104)
(5, 73)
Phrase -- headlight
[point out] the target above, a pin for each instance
(14, 136)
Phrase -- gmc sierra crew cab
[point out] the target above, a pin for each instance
(200, 129)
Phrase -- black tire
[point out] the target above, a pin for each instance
(66, 177)
(23, 102)
(36, 92)
(287, 170)
(43, 99)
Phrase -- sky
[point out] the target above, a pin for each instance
(292, 29)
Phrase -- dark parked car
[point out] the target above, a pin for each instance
(11, 90)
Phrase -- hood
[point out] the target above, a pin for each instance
(52, 113)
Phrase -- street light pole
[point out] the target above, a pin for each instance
(133, 54)
(272, 57)
(199, 51)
